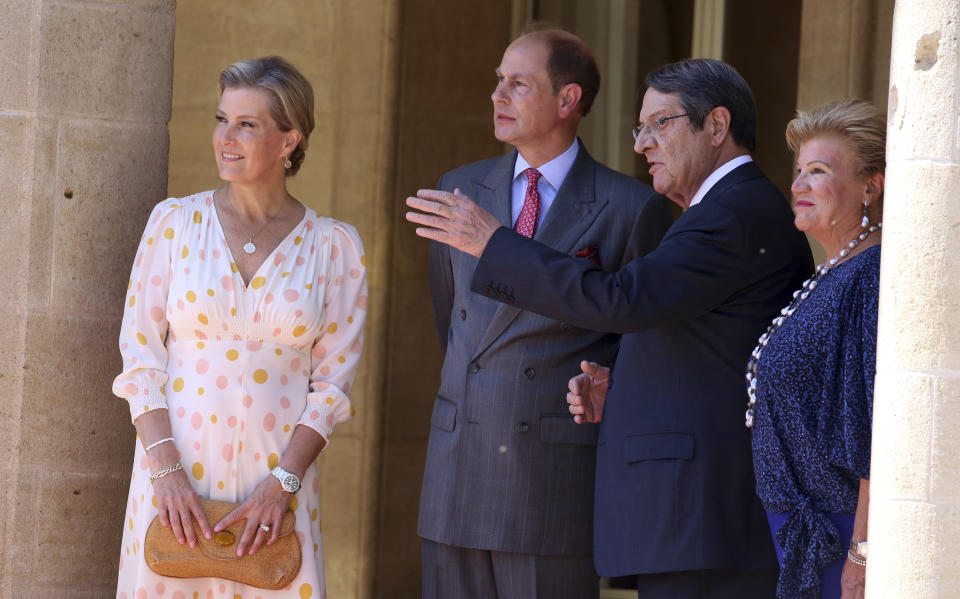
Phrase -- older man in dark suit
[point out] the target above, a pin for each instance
(675, 502)
(508, 482)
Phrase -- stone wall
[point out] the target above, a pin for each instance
(84, 105)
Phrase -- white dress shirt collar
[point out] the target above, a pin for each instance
(554, 171)
(716, 175)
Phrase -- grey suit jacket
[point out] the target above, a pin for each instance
(507, 469)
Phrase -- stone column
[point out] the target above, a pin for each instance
(914, 521)
(84, 104)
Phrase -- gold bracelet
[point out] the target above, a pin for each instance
(165, 471)
(856, 558)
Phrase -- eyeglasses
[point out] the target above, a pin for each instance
(654, 127)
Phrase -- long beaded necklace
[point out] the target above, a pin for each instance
(798, 297)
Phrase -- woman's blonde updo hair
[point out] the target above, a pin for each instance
(859, 123)
(291, 96)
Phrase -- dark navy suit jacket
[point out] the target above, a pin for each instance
(675, 483)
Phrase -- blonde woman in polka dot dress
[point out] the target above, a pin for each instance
(241, 333)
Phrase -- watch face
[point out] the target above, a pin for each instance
(290, 483)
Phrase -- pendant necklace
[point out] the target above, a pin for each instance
(250, 247)
(798, 296)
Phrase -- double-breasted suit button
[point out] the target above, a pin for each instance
(474, 368)
(565, 326)
(463, 314)
(530, 373)
(523, 427)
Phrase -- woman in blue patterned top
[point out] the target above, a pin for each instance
(810, 379)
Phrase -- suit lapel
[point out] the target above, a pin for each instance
(573, 211)
(493, 193)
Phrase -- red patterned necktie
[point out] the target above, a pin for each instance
(530, 213)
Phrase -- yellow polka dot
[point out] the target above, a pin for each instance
(154, 501)
(135, 549)
(332, 328)
(349, 319)
(197, 217)
(197, 470)
(341, 359)
(146, 408)
(313, 515)
(141, 339)
(210, 292)
(306, 591)
(191, 297)
(232, 354)
(299, 330)
(196, 595)
(220, 484)
(363, 260)
(286, 428)
(131, 523)
(213, 418)
(168, 233)
(234, 267)
(200, 391)
(203, 318)
(178, 384)
(272, 461)
(239, 446)
(257, 282)
(293, 503)
(201, 345)
(233, 311)
(237, 596)
(330, 401)
(260, 375)
(297, 240)
(128, 550)
(284, 275)
(133, 300)
(309, 285)
(185, 252)
(149, 240)
(352, 411)
(315, 547)
(129, 284)
(278, 351)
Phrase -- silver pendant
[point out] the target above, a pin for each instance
(249, 248)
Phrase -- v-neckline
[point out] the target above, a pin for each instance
(223, 238)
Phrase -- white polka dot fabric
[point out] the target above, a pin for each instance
(238, 367)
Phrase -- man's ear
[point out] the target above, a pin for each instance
(717, 124)
(570, 95)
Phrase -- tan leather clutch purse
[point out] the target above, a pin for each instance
(271, 567)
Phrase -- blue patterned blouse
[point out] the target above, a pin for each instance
(811, 435)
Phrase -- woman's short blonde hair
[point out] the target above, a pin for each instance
(859, 123)
(291, 96)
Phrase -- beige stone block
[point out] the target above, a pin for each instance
(913, 550)
(15, 162)
(902, 431)
(192, 166)
(117, 173)
(65, 592)
(357, 25)
(11, 387)
(924, 77)
(73, 420)
(920, 277)
(21, 544)
(42, 200)
(945, 446)
(79, 515)
(347, 515)
(398, 550)
(19, 20)
(106, 61)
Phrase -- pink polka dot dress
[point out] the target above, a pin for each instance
(238, 367)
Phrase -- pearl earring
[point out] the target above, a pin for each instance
(864, 222)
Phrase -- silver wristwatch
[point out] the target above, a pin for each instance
(860, 548)
(289, 481)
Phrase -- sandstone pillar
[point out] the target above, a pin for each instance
(914, 523)
(84, 104)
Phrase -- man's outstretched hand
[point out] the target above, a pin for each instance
(453, 219)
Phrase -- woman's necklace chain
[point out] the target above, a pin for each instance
(798, 297)
(250, 247)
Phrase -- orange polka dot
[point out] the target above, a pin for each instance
(269, 422)
(202, 366)
(291, 295)
(141, 593)
(284, 402)
(286, 428)
(247, 401)
(306, 591)
(330, 401)
(156, 314)
(196, 420)
(161, 588)
(222, 382)
(227, 452)
(341, 359)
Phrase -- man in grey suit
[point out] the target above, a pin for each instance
(508, 482)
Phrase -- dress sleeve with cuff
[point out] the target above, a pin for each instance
(336, 353)
(144, 328)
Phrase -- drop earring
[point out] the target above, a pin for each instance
(288, 164)
(864, 222)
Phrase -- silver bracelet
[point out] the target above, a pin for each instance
(165, 471)
(856, 558)
(152, 445)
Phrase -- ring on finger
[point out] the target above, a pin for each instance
(265, 528)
